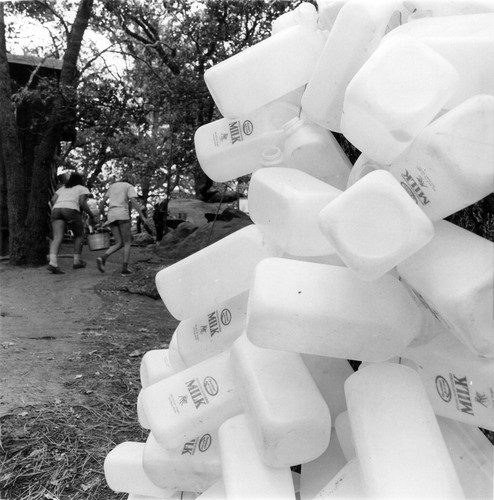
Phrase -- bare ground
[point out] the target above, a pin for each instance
(70, 351)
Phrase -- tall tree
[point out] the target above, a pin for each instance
(28, 179)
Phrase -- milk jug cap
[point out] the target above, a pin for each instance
(306, 14)
(272, 154)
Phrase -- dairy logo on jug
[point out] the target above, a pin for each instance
(205, 442)
(443, 389)
(211, 386)
(247, 127)
(226, 317)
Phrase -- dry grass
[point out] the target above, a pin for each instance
(56, 452)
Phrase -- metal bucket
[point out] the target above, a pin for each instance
(98, 241)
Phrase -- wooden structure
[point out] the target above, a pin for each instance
(21, 74)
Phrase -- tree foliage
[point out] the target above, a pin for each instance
(139, 115)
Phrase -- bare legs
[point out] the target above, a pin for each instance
(58, 228)
(123, 239)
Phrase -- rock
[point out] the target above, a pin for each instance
(188, 239)
(142, 239)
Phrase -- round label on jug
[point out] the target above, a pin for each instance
(204, 442)
(247, 127)
(211, 386)
(226, 317)
(443, 389)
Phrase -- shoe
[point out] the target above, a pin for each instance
(79, 265)
(101, 264)
(54, 269)
(126, 272)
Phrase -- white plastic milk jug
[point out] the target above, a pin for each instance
(313, 149)
(450, 8)
(304, 14)
(265, 71)
(194, 466)
(450, 165)
(284, 203)
(466, 41)
(394, 95)
(124, 472)
(363, 166)
(205, 336)
(356, 33)
(343, 431)
(383, 400)
(176, 361)
(374, 225)
(155, 366)
(460, 385)
(192, 402)
(347, 483)
(141, 416)
(326, 310)
(199, 283)
(229, 148)
(317, 473)
(289, 419)
(244, 474)
(329, 374)
(472, 454)
(454, 277)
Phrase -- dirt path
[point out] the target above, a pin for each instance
(46, 320)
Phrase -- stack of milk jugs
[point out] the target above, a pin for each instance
(340, 264)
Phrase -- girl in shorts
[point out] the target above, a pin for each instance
(121, 195)
(67, 203)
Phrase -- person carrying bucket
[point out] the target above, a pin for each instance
(119, 195)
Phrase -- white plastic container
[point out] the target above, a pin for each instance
(215, 492)
(460, 385)
(316, 474)
(329, 374)
(394, 95)
(284, 203)
(314, 150)
(289, 419)
(230, 148)
(347, 483)
(195, 466)
(174, 356)
(265, 71)
(343, 430)
(363, 166)
(141, 416)
(192, 402)
(451, 163)
(201, 282)
(178, 495)
(399, 445)
(356, 33)
(454, 277)
(244, 474)
(451, 7)
(374, 225)
(472, 454)
(326, 310)
(304, 14)
(202, 337)
(124, 472)
(155, 366)
(466, 41)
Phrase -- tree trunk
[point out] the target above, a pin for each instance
(31, 212)
(12, 160)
